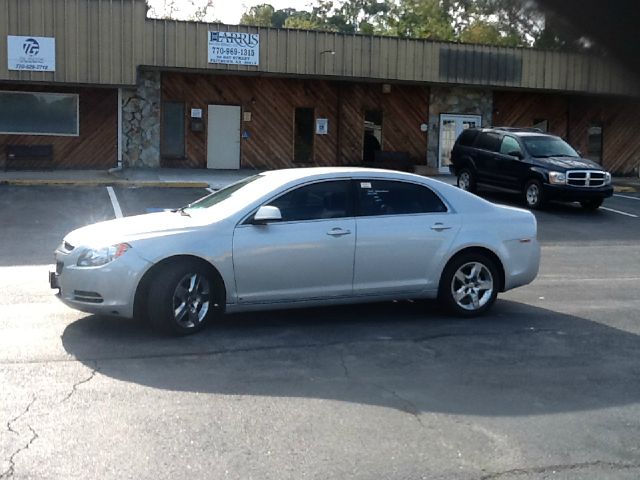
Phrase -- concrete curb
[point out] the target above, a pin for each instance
(106, 183)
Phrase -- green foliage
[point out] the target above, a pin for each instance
(493, 22)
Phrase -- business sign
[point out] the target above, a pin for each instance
(234, 48)
(31, 53)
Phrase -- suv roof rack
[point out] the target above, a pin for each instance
(519, 129)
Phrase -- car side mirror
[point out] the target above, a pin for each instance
(516, 154)
(266, 214)
(579, 152)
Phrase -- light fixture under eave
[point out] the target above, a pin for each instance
(330, 52)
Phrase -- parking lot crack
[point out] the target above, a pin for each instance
(76, 385)
(19, 416)
(10, 427)
(560, 468)
(406, 405)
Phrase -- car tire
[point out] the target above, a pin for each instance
(183, 298)
(591, 205)
(467, 180)
(533, 194)
(469, 284)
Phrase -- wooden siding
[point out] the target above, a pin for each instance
(272, 103)
(522, 109)
(620, 122)
(571, 116)
(94, 148)
(105, 41)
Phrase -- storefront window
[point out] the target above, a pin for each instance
(173, 129)
(37, 113)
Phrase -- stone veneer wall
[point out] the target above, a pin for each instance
(455, 100)
(141, 122)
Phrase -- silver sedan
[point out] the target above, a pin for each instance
(300, 237)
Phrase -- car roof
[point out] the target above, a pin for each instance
(517, 131)
(291, 174)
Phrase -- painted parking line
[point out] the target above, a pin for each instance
(619, 212)
(114, 202)
(210, 190)
(626, 196)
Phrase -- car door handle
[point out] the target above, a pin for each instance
(338, 232)
(439, 227)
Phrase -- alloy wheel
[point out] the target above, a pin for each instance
(191, 299)
(472, 286)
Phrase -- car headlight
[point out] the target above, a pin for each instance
(94, 257)
(607, 178)
(557, 178)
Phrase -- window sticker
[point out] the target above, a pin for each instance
(365, 184)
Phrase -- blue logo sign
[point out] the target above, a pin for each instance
(31, 47)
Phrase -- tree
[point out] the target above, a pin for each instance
(259, 16)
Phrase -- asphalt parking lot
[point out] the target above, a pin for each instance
(545, 386)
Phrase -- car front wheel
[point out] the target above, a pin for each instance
(183, 297)
(467, 180)
(469, 284)
(533, 194)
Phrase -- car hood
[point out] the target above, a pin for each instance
(569, 163)
(133, 228)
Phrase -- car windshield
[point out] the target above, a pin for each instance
(222, 194)
(548, 147)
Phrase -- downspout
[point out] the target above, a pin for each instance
(119, 166)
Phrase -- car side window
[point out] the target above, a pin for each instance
(387, 197)
(488, 141)
(510, 145)
(315, 201)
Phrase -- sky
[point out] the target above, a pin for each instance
(230, 11)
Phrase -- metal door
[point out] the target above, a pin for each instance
(223, 137)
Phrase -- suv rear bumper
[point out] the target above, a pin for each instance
(576, 194)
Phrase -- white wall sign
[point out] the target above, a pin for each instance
(322, 126)
(234, 48)
(31, 53)
(196, 113)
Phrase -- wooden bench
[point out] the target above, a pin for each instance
(28, 157)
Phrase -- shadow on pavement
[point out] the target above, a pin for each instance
(521, 360)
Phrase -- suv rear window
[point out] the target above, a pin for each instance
(467, 137)
(489, 141)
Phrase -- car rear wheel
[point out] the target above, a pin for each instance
(183, 298)
(591, 204)
(467, 180)
(533, 194)
(469, 284)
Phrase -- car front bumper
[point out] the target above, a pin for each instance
(576, 194)
(105, 290)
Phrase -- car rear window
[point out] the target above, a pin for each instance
(489, 141)
(387, 197)
(467, 137)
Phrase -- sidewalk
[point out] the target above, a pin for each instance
(182, 178)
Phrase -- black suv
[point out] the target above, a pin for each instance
(540, 166)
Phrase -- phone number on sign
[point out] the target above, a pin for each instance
(243, 52)
(28, 66)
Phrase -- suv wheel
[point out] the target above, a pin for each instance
(533, 195)
(467, 180)
(591, 204)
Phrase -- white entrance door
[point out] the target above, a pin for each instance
(451, 126)
(223, 137)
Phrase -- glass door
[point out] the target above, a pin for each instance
(451, 126)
